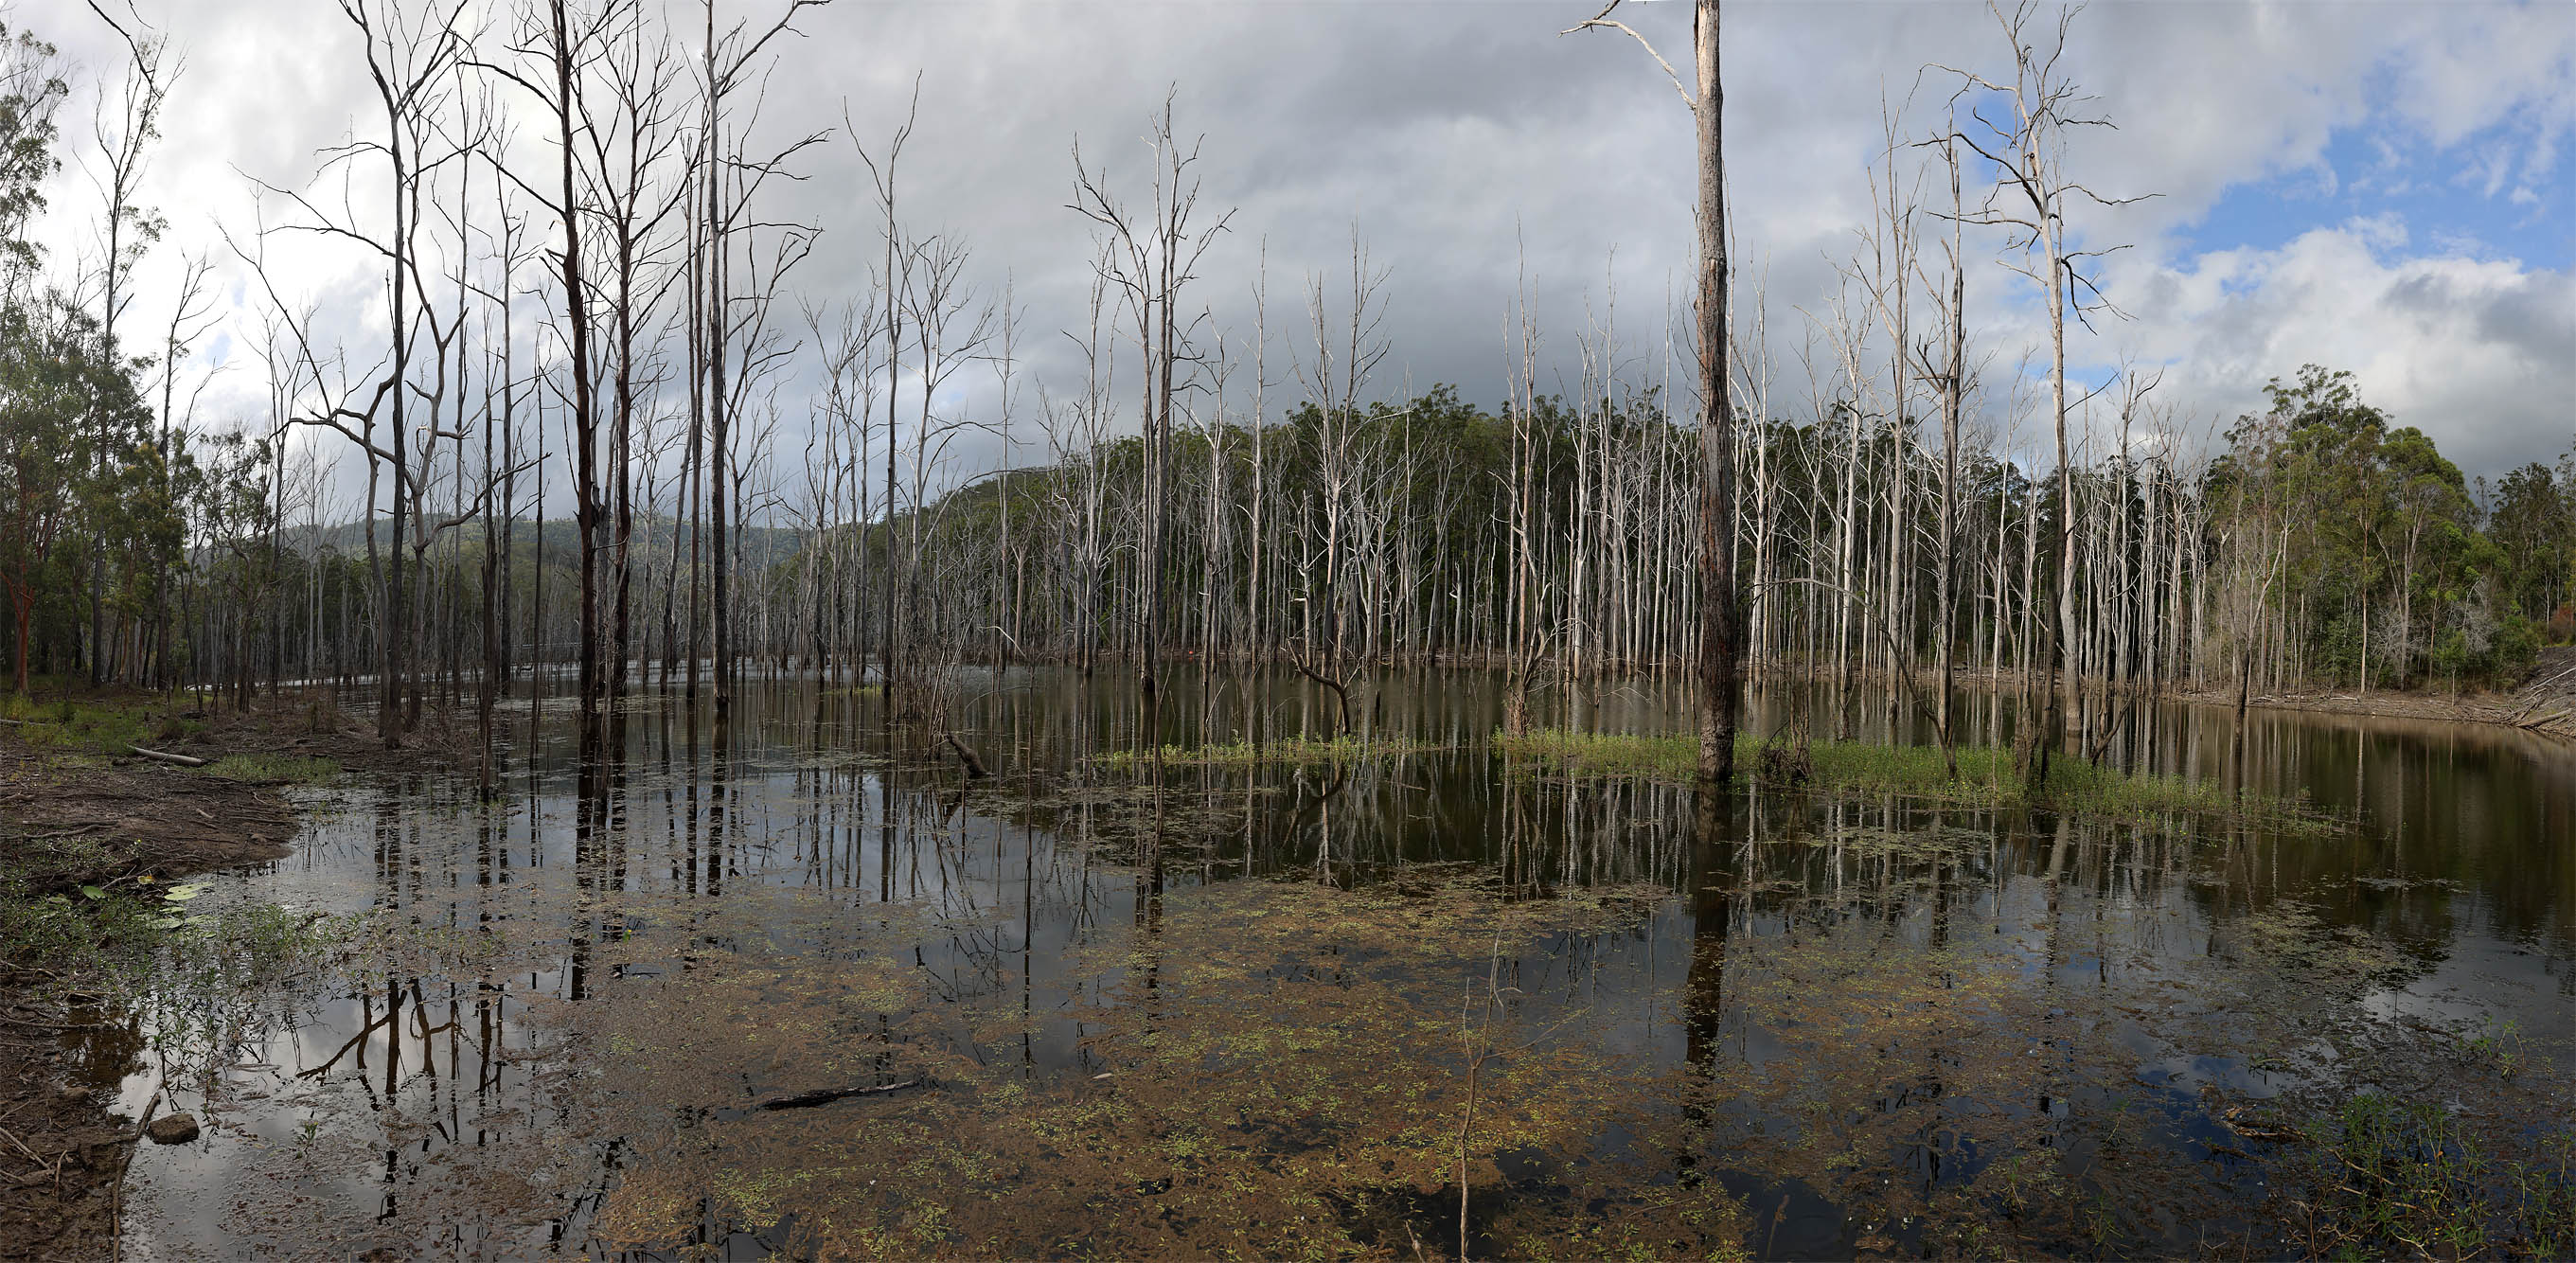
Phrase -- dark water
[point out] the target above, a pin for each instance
(1249, 1014)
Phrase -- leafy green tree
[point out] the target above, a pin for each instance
(79, 481)
(2534, 524)
(31, 88)
(233, 517)
(2385, 568)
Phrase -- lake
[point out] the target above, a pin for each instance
(794, 985)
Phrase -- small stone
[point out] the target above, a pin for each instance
(173, 1129)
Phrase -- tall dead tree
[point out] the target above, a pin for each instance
(728, 178)
(628, 146)
(1152, 260)
(1951, 377)
(897, 273)
(1719, 640)
(2029, 198)
(409, 58)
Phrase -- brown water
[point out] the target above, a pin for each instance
(1800, 1026)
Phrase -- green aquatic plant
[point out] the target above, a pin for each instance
(1287, 750)
(2385, 1175)
(1986, 776)
(134, 943)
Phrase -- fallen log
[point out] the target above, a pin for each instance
(183, 760)
(825, 1096)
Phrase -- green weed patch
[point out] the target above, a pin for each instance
(1986, 776)
(1290, 750)
(274, 768)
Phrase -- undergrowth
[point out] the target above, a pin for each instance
(130, 934)
(98, 727)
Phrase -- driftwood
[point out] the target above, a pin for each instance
(183, 760)
(2545, 701)
(825, 1096)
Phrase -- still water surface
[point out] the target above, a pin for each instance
(1804, 1026)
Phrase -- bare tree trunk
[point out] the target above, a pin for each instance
(1953, 398)
(1718, 634)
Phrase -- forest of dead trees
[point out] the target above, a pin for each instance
(609, 433)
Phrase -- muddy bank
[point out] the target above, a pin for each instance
(74, 816)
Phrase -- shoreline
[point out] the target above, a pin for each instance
(2545, 702)
(2492, 709)
(74, 817)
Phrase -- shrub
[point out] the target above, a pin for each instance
(2517, 646)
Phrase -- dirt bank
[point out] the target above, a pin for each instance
(72, 814)
(2545, 701)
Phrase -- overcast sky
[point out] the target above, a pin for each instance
(2382, 187)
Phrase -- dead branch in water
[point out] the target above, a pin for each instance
(975, 770)
(825, 1096)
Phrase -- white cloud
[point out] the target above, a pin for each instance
(2478, 353)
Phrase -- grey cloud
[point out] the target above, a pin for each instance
(1462, 142)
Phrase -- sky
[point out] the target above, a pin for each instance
(2381, 187)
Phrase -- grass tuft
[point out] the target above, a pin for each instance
(274, 768)
(2388, 1176)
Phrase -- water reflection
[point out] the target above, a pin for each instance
(1861, 1021)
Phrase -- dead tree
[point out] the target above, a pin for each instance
(1719, 636)
(1335, 372)
(2029, 198)
(728, 178)
(1152, 260)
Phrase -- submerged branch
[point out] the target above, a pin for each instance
(825, 1096)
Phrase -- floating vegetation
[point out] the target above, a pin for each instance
(838, 760)
(1284, 750)
(136, 942)
(1986, 777)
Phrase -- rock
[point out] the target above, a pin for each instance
(173, 1129)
